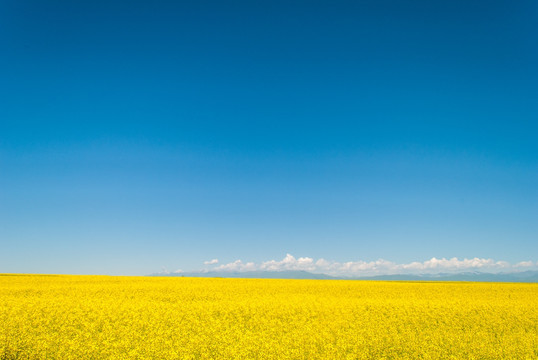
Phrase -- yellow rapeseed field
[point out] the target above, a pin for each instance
(101, 317)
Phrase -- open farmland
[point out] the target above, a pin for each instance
(101, 317)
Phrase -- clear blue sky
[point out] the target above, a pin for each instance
(141, 135)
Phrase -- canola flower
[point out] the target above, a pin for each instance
(101, 317)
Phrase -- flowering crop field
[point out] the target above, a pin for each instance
(102, 317)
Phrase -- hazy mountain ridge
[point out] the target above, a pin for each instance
(525, 276)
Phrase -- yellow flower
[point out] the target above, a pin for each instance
(101, 317)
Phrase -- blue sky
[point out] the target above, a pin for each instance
(137, 136)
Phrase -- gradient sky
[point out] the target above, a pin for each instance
(136, 136)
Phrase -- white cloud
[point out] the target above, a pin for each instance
(377, 267)
(289, 263)
(211, 262)
(525, 264)
(237, 265)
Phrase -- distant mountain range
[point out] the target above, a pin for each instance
(525, 276)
